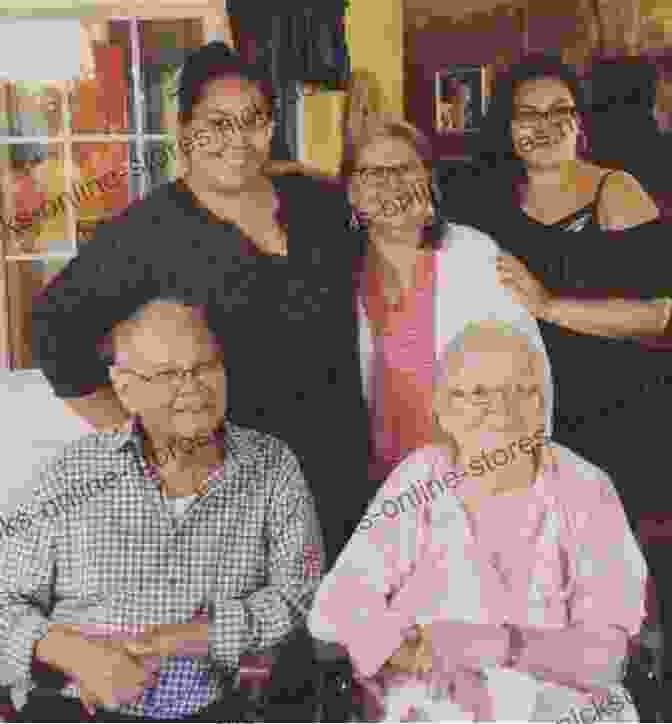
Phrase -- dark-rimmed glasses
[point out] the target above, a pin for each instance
(379, 175)
(484, 396)
(207, 374)
(535, 117)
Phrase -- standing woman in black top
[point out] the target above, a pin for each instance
(269, 254)
(590, 259)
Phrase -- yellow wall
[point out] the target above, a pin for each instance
(375, 32)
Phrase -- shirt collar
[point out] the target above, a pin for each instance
(131, 435)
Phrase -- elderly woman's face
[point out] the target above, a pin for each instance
(161, 347)
(544, 127)
(229, 137)
(390, 185)
(491, 393)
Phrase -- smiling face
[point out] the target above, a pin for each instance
(168, 337)
(228, 139)
(490, 393)
(548, 141)
(390, 184)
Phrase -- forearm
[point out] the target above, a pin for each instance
(101, 409)
(574, 656)
(609, 317)
(469, 645)
(26, 572)
(20, 632)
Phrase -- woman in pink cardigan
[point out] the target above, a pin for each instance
(494, 576)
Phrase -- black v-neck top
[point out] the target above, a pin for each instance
(287, 323)
(583, 219)
(574, 257)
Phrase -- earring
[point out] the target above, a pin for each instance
(436, 198)
(435, 191)
(357, 222)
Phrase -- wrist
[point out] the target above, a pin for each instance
(549, 310)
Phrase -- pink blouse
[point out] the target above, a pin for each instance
(403, 366)
(558, 559)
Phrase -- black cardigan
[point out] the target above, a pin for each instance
(287, 324)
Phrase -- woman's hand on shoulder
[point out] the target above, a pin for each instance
(624, 203)
(525, 288)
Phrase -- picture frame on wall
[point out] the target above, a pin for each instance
(460, 99)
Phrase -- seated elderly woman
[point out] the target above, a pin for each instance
(154, 556)
(494, 576)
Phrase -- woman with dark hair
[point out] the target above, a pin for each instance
(272, 257)
(420, 281)
(588, 257)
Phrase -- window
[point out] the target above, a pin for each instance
(75, 152)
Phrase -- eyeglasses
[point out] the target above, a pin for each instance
(207, 373)
(559, 114)
(379, 175)
(483, 396)
(227, 127)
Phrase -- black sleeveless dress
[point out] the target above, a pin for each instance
(612, 395)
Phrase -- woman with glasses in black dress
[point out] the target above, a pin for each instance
(588, 256)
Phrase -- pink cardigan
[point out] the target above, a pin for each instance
(559, 560)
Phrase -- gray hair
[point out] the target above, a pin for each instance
(107, 345)
(537, 353)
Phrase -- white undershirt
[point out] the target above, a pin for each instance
(178, 506)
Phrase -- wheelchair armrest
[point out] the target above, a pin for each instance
(336, 698)
(642, 678)
(254, 672)
(329, 651)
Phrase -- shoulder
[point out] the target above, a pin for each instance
(623, 203)
(138, 222)
(467, 244)
(583, 486)
(463, 235)
(160, 200)
(420, 466)
(84, 467)
(262, 450)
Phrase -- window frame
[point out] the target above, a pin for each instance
(214, 26)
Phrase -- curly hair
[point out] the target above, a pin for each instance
(496, 152)
(210, 62)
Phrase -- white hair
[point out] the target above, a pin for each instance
(455, 349)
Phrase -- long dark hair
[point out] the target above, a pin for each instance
(433, 233)
(210, 62)
(496, 153)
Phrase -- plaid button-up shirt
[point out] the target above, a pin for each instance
(97, 547)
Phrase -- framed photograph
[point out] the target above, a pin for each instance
(460, 99)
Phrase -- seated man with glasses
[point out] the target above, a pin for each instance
(146, 590)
